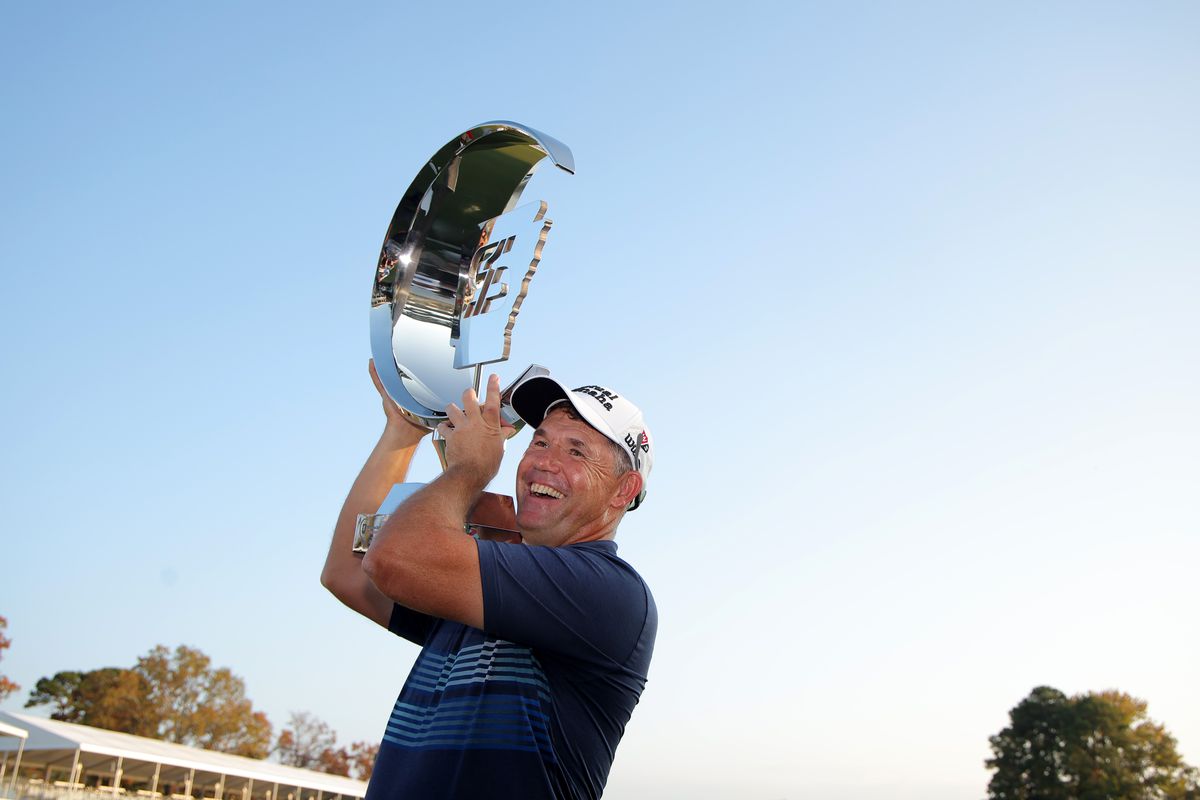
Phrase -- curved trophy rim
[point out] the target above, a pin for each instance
(389, 304)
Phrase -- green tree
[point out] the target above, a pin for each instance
(1096, 746)
(1029, 755)
(58, 691)
(7, 687)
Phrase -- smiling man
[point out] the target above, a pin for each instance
(533, 654)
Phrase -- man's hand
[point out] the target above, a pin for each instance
(420, 558)
(395, 417)
(475, 435)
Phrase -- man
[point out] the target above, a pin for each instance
(533, 654)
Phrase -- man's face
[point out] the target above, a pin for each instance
(567, 489)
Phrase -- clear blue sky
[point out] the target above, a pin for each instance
(908, 292)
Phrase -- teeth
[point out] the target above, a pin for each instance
(540, 488)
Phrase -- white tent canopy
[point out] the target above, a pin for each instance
(12, 730)
(17, 733)
(76, 751)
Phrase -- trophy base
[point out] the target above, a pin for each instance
(492, 518)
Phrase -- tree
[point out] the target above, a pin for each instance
(335, 761)
(310, 743)
(59, 690)
(362, 759)
(112, 698)
(357, 760)
(305, 741)
(7, 687)
(1095, 746)
(200, 706)
(176, 696)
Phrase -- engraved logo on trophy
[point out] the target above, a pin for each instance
(454, 269)
(511, 246)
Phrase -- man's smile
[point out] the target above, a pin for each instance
(542, 490)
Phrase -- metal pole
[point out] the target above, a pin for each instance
(75, 767)
(117, 775)
(248, 790)
(16, 768)
(154, 784)
(220, 793)
(190, 778)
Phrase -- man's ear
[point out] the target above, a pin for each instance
(628, 487)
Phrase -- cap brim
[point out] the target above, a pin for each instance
(531, 398)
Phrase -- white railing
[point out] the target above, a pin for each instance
(38, 789)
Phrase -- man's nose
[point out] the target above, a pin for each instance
(545, 459)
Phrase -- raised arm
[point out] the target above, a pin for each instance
(387, 465)
(421, 558)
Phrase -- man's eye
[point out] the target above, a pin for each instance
(575, 452)
(538, 443)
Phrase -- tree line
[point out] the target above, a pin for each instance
(179, 696)
(1093, 746)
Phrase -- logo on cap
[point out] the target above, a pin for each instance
(603, 396)
(642, 443)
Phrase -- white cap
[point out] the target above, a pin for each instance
(608, 412)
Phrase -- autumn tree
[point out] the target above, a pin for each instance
(201, 706)
(310, 743)
(7, 687)
(357, 760)
(112, 698)
(304, 741)
(1095, 746)
(362, 759)
(177, 696)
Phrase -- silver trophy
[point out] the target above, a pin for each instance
(453, 271)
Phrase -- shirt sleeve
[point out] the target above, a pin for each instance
(409, 624)
(577, 601)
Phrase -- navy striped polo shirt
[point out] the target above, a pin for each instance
(533, 705)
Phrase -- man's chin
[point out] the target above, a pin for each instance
(533, 525)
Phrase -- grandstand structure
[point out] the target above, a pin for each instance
(45, 759)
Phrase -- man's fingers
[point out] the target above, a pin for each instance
(454, 415)
(472, 409)
(470, 402)
(491, 406)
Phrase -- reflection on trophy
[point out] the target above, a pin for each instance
(453, 271)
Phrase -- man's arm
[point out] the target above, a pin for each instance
(421, 558)
(387, 465)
